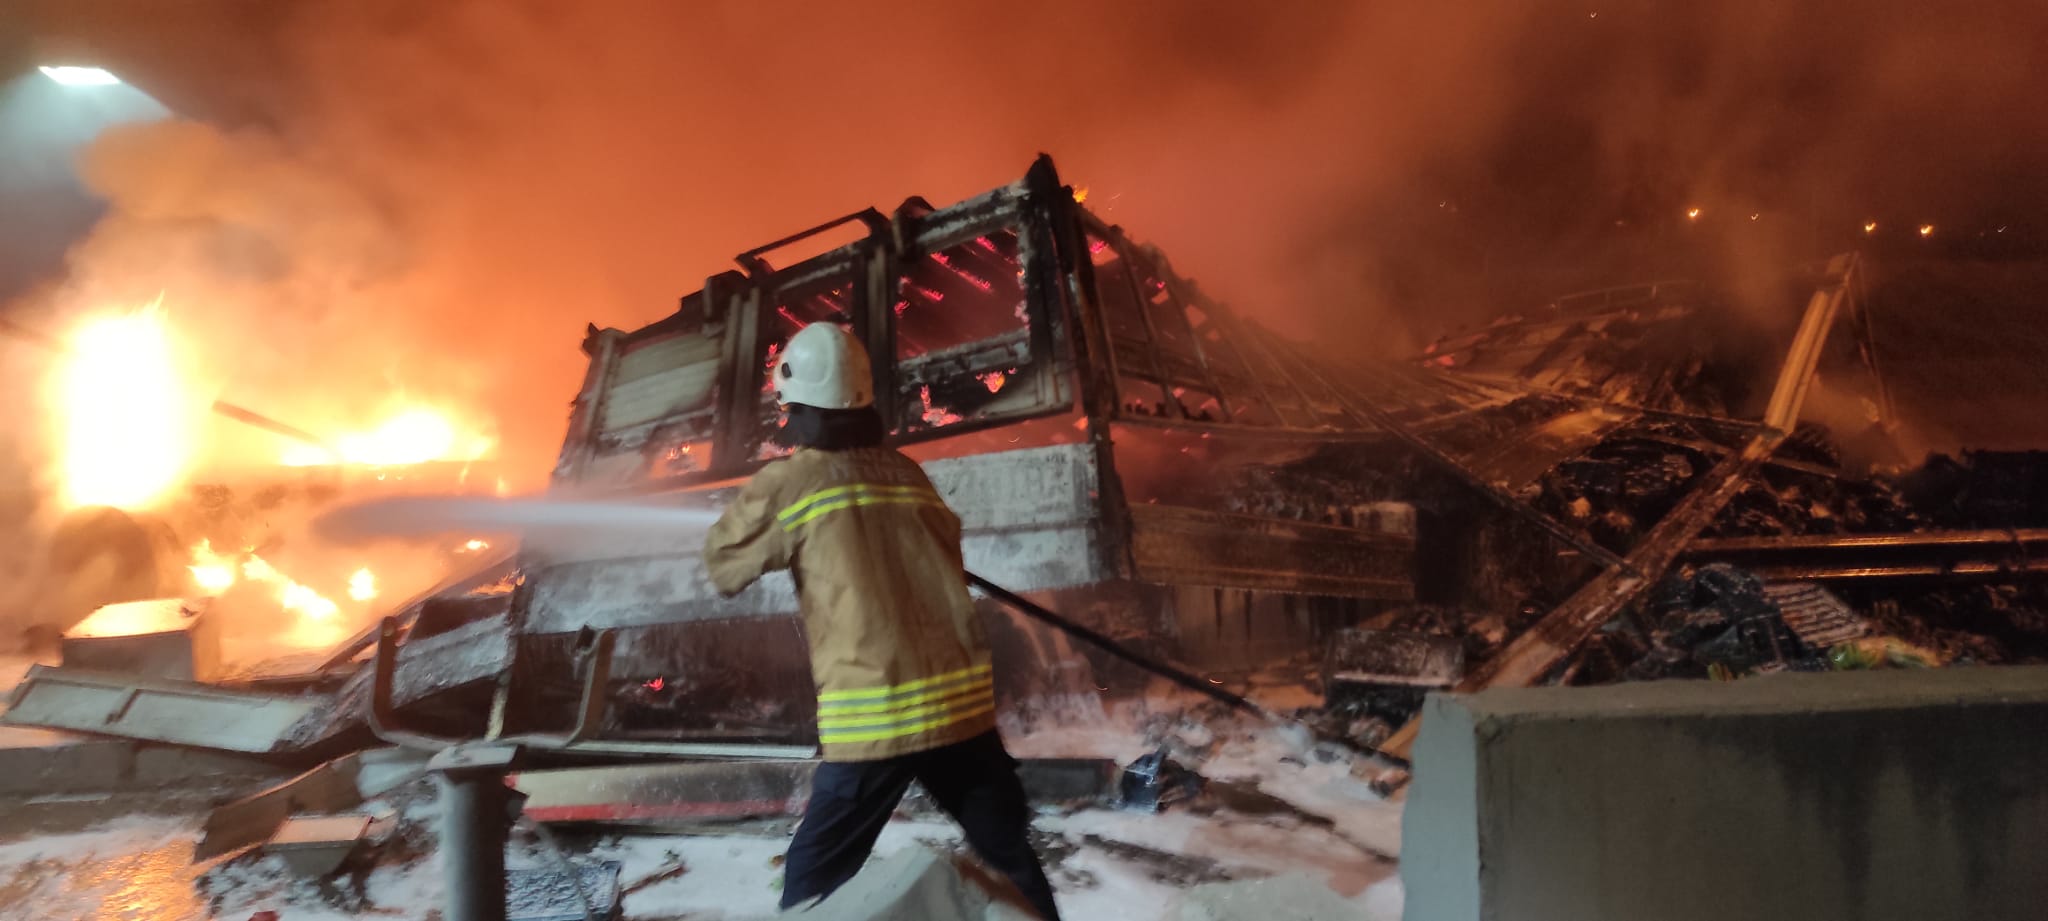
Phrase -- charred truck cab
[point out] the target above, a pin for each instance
(1073, 400)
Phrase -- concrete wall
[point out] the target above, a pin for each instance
(1908, 795)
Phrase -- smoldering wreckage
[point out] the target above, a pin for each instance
(1631, 484)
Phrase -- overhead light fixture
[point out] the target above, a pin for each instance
(81, 76)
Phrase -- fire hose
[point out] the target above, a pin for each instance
(1172, 673)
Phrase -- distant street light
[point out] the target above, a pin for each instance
(81, 76)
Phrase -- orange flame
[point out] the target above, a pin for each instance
(414, 436)
(213, 572)
(126, 411)
(362, 586)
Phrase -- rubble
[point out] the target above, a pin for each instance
(314, 847)
(550, 893)
(1155, 782)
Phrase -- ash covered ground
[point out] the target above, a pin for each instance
(1273, 803)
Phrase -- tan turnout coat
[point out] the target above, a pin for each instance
(900, 659)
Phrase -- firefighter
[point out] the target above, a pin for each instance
(899, 657)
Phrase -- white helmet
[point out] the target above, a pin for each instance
(826, 367)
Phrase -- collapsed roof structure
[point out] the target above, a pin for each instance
(1122, 448)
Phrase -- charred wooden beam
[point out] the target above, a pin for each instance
(1985, 554)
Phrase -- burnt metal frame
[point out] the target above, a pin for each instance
(734, 307)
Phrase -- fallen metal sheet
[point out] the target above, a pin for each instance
(548, 894)
(315, 846)
(341, 784)
(684, 793)
(1813, 613)
(156, 710)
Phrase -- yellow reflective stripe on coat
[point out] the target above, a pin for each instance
(971, 694)
(847, 708)
(825, 501)
(899, 730)
(891, 690)
(893, 711)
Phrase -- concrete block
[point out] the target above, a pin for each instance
(1279, 898)
(1876, 796)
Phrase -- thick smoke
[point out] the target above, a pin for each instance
(433, 198)
(370, 202)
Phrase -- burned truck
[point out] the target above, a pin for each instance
(1071, 397)
(1126, 451)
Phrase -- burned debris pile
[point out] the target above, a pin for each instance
(1823, 552)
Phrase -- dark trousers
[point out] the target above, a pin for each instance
(975, 781)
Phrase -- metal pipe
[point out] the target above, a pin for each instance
(251, 417)
(476, 824)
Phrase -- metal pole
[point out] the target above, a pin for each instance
(477, 812)
(475, 826)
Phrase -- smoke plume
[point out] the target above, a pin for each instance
(383, 198)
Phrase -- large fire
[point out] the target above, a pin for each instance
(415, 435)
(132, 428)
(215, 573)
(125, 411)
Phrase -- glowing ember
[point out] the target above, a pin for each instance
(656, 684)
(993, 380)
(1927, 230)
(362, 586)
(1692, 214)
(1869, 226)
(935, 416)
(1755, 215)
(213, 572)
(127, 432)
(1080, 194)
(966, 276)
(475, 545)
